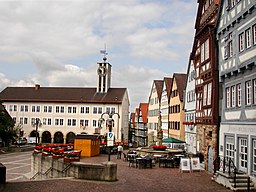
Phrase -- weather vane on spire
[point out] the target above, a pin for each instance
(104, 52)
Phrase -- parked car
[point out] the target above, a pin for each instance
(21, 142)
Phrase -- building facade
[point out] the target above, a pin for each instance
(165, 106)
(190, 109)
(141, 129)
(236, 35)
(64, 112)
(206, 80)
(154, 110)
(176, 113)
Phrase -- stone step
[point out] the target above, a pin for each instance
(243, 189)
(242, 185)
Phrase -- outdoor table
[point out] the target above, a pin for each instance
(139, 162)
(157, 157)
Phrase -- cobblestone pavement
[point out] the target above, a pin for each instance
(130, 179)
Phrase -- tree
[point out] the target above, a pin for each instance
(7, 131)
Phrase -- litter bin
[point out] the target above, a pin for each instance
(2, 173)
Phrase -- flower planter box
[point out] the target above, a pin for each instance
(37, 151)
(46, 154)
(71, 159)
(57, 156)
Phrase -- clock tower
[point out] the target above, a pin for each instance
(104, 75)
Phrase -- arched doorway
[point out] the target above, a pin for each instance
(58, 137)
(70, 137)
(210, 159)
(46, 137)
(34, 134)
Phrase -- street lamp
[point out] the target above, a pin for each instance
(36, 124)
(110, 125)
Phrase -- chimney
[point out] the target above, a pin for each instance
(37, 87)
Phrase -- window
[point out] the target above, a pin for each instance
(59, 122)
(254, 34)
(248, 92)
(71, 122)
(241, 42)
(25, 120)
(84, 122)
(100, 110)
(202, 53)
(15, 108)
(228, 97)
(69, 109)
(95, 110)
(209, 97)
(233, 96)
(205, 95)
(207, 49)
(94, 123)
(228, 48)
(107, 109)
(248, 37)
(74, 109)
(82, 110)
(33, 109)
(254, 91)
(62, 109)
(57, 109)
(56, 121)
(37, 109)
(113, 110)
(239, 94)
(254, 156)
(49, 121)
(21, 120)
(87, 110)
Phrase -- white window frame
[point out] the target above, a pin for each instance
(248, 92)
(248, 37)
(239, 94)
(241, 41)
(205, 95)
(233, 96)
(254, 34)
(228, 97)
(254, 91)
(209, 96)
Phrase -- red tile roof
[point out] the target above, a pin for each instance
(144, 112)
(62, 94)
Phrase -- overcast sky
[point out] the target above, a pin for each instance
(58, 43)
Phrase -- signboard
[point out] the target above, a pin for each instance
(195, 164)
(110, 139)
(185, 164)
(31, 139)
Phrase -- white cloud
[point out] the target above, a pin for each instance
(59, 38)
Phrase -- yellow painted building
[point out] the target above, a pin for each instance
(176, 113)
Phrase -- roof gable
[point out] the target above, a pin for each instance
(180, 80)
(168, 86)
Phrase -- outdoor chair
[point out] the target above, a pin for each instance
(132, 161)
(124, 156)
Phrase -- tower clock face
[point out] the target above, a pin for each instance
(102, 70)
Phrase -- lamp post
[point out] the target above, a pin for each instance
(110, 125)
(36, 124)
